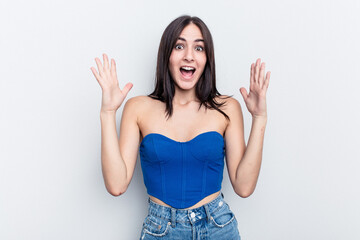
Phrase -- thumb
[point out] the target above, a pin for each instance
(127, 88)
(243, 93)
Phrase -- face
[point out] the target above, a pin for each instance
(187, 60)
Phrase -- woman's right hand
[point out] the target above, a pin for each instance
(112, 95)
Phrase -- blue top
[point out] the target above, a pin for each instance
(182, 173)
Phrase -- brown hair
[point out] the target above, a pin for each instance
(206, 86)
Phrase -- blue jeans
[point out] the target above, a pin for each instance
(212, 221)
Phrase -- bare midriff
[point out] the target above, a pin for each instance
(205, 200)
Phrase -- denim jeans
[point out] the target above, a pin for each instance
(212, 221)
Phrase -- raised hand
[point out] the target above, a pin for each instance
(256, 99)
(112, 95)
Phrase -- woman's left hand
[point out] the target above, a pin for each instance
(256, 99)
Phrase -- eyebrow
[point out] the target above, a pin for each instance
(196, 40)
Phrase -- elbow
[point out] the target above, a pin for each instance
(244, 193)
(116, 192)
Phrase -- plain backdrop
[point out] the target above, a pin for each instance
(51, 185)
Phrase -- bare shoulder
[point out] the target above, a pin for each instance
(140, 106)
(235, 125)
(138, 100)
(231, 105)
(138, 103)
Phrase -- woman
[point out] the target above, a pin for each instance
(184, 129)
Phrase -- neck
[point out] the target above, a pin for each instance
(183, 97)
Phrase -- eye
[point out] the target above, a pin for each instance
(199, 48)
(179, 46)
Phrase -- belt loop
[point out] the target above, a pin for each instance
(173, 217)
(207, 211)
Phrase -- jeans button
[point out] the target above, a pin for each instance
(192, 214)
(220, 203)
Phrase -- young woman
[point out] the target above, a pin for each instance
(183, 129)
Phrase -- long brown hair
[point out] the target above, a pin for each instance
(205, 88)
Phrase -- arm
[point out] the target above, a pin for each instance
(113, 166)
(248, 170)
(118, 157)
(244, 161)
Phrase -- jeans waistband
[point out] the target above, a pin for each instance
(185, 215)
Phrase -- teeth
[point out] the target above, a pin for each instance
(188, 68)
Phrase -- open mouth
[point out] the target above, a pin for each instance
(187, 72)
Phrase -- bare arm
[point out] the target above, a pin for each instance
(118, 156)
(245, 170)
(244, 162)
(117, 169)
(113, 166)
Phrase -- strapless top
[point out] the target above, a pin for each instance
(182, 173)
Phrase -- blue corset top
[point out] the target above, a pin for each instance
(182, 173)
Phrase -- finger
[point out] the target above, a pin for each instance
(243, 93)
(261, 75)
(257, 70)
(106, 61)
(97, 76)
(252, 73)
(127, 88)
(267, 80)
(113, 68)
(100, 66)
(252, 76)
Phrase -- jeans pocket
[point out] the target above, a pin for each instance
(156, 226)
(223, 216)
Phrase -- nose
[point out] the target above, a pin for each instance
(189, 55)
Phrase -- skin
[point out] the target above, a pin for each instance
(143, 115)
(188, 51)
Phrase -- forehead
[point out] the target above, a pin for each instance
(191, 32)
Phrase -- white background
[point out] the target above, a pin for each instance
(51, 186)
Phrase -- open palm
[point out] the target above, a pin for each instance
(255, 100)
(112, 95)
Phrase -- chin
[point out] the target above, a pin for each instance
(186, 85)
